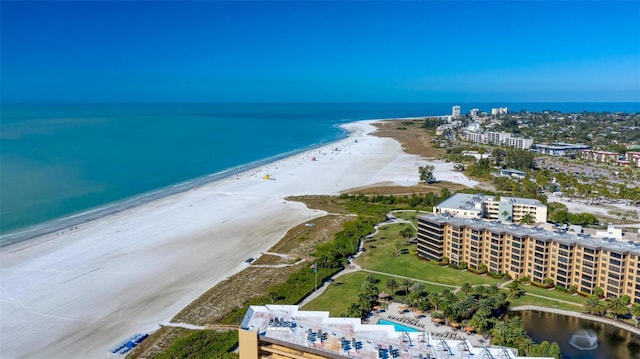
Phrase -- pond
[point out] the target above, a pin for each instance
(581, 338)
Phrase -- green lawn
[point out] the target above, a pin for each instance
(380, 257)
(346, 288)
(554, 294)
(549, 303)
(409, 215)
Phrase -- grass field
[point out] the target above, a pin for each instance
(410, 215)
(554, 294)
(380, 256)
(346, 288)
(549, 303)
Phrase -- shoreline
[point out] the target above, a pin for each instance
(81, 293)
(95, 213)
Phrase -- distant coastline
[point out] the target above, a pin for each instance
(11, 234)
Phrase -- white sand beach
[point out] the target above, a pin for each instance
(77, 294)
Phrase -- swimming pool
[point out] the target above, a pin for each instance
(399, 327)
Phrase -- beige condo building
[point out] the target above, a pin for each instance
(521, 251)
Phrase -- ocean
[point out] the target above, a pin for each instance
(63, 164)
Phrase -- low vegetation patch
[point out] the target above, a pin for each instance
(204, 344)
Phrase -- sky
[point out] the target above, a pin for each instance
(320, 51)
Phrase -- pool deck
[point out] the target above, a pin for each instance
(424, 322)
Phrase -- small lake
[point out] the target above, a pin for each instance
(597, 340)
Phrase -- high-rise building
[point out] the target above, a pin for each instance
(455, 111)
(497, 138)
(520, 251)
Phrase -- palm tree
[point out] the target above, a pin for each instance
(396, 248)
(618, 306)
(435, 300)
(407, 233)
(465, 288)
(515, 291)
(527, 219)
(370, 278)
(419, 288)
(598, 292)
(406, 283)
(484, 308)
(415, 300)
(493, 289)
(595, 306)
(482, 268)
(393, 285)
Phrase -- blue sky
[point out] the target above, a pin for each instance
(430, 51)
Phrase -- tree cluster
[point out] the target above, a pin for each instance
(512, 334)
(617, 306)
(426, 173)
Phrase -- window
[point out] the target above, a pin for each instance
(614, 261)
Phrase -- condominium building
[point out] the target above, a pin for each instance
(455, 111)
(284, 331)
(499, 111)
(506, 209)
(474, 136)
(497, 138)
(567, 259)
(633, 158)
(519, 142)
(601, 156)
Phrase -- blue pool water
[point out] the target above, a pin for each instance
(398, 327)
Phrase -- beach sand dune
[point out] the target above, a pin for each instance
(77, 294)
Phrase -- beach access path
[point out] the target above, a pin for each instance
(78, 294)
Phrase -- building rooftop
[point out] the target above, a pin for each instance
(518, 200)
(333, 337)
(563, 145)
(463, 201)
(539, 233)
(466, 201)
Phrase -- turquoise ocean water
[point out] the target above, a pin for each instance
(62, 164)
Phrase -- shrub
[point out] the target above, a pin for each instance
(494, 275)
(203, 344)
